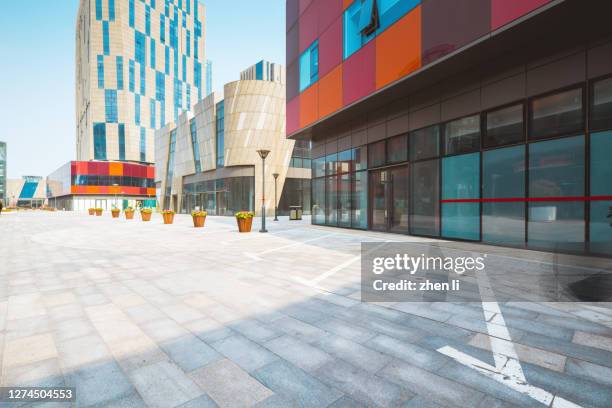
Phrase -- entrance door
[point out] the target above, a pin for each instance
(389, 199)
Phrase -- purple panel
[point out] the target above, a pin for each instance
(304, 5)
(308, 27)
(330, 48)
(504, 11)
(293, 115)
(293, 80)
(292, 13)
(329, 11)
(359, 74)
(449, 25)
(292, 45)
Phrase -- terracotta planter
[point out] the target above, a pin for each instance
(129, 215)
(145, 216)
(198, 222)
(91, 211)
(115, 214)
(244, 224)
(98, 213)
(168, 218)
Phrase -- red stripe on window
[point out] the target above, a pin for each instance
(522, 199)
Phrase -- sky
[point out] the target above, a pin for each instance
(37, 42)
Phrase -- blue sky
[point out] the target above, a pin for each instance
(37, 110)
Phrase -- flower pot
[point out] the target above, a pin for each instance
(129, 215)
(198, 222)
(98, 212)
(244, 224)
(145, 216)
(115, 214)
(91, 211)
(168, 218)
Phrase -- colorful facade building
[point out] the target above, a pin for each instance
(139, 65)
(209, 158)
(477, 120)
(79, 185)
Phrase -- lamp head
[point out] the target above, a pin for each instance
(263, 153)
(275, 175)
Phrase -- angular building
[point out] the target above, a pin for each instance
(477, 120)
(139, 65)
(209, 158)
(28, 192)
(3, 175)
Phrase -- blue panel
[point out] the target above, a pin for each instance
(98, 9)
(119, 62)
(601, 174)
(121, 141)
(132, 75)
(131, 13)
(167, 63)
(389, 11)
(99, 141)
(152, 53)
(162, 29)
(137, 109)
(143, 77)
(110, 100)
(143, 145)
(100, 72)
(309, 66)
(28, 189)
(111, 10)
(105, 39)
(147, 20)
(139, 47)
(188, 43)
(152, 110)
(259, 70)
(365, 15)
(160, 86)
(461, 221)
(184, 63)
(188, 97)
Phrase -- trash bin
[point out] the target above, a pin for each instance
(295, 212)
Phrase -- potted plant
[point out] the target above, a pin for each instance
(198, 218)
(245, 220)
(145, 214)
(92, 211)
(129, 213)
(115, 212)
(99, 211)
(168, 216)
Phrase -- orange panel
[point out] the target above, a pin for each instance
(150, 172)
(309, 111)
(91, 190)
(114, 190)
(151, 191)
(346, 3)
(398, 49)
(103, 190)
(330, 92)
(73, 189)
(115, 169)
(80, 189)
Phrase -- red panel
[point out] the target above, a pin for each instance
(330, 47)
(142, 172)
(73, 168)
(150, 172)
(293, 115)
(504, 11)
(308, 28)
(328, 11)
(79, 189)
(293, 9)
(92, 168)
(304, 5)
(359, 74)
(81, 168)
(127, 169)
(104, 169)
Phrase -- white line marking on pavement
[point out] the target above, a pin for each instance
(508, 369)
(256, 257)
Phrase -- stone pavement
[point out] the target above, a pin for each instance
(144, 314)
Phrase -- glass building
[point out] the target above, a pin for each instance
(504, 145)
(139, 65)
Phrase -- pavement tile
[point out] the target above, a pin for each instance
(344, 329)
(255, 331)
(299, 353)
(346, 402)
(276, 401)
(98, 383)
(189, 352)
(589, 371)
(28, 350)
(363, 386)
(203, 401)
(295, 384)
(244, 352)
(209, 330)
(299, 329)
(593, 340)
(354, 353)
(230, 386)
(46, 373)
(411, 353)
(163, 384)
(83, 350)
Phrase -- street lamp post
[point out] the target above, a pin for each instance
(275, 175)
(115, 190)
(263, 154)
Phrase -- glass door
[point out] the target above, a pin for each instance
(389, 199)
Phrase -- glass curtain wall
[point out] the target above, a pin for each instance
(425, 181)
(220, 197)
(460, 196)
(601, 191)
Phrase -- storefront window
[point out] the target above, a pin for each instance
(376, 154)
(331, 164)
(461, 182)
(397, 149)
(503, 173)
(504, 126)
(425, 195)
(318, 201)
(344, 201)
(601, 210)
(360, 200)
(345, 161)
(425, 143)
(318, 167)
(360, 158)
(601, 109)
(556, 172)
(556, 114)
(331, 200)
(462, 135)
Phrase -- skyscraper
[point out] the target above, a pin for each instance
(139, 65)
(209, 68)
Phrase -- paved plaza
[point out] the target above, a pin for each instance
(138, 314)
